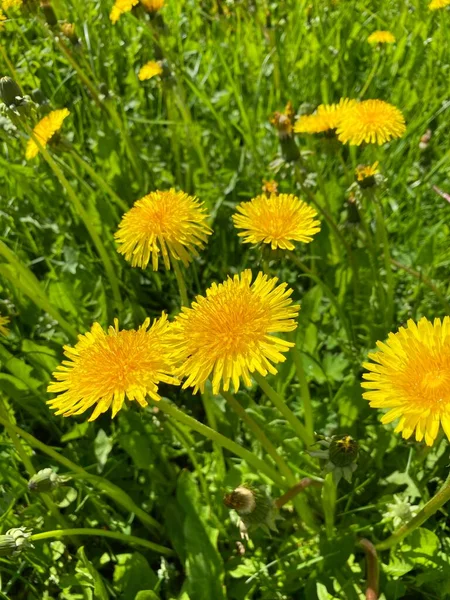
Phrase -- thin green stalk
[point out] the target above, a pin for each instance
(372, 74)
(26, 281)
(304, 389)
(387, 263)
(99, 180)
(437, 501)
(181, 283)
(284, 409)
(329, 503)
(372, 569)
(10, 66)
(110, 489)
(259, 435)
(79, 209)
(259, 465)
(212, 422)
(115, 535)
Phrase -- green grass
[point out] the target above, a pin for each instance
(150, 487)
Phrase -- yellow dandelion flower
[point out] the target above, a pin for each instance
(270, 187)
(120, 7)
(326, 118)
(153, 5)
(3, 322)
(171, 223)
(6, 4)
(106, 367)
(366, 171)
(381, 37)
(2, 18)
(371, 121)
(437, 4)
(278, 220)
(228, 333)
(410, 375)
(149, 70)
(45, 130)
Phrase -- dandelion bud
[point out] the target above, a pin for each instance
(270, 187)
(68, 29)
(14, 541)
(10, 91)
(253, 506)
(49, 13)
(343, 450)
(365, 175)
(45, 480)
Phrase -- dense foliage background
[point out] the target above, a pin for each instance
(204, 127)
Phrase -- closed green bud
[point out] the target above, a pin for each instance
(45, 481)
(49, 13)
(343, 450)
(253, 506)
(15, 541)
(10, 92)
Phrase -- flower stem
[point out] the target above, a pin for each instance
(115, 535)
(306, 396)
(372, 74)
(296, 489)
(372, 569)
(387, 263)
(287, 413)
(329, 503)
(258, 464)
(259, 435)
(432, 506)
(110, 489)
(181, 283)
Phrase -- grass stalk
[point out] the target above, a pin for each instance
(181, 283)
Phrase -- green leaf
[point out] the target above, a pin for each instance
(133, 574)
(87, 570)
(146, 595)
(204, 566)
(102, 447)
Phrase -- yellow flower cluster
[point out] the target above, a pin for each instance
(356, 122)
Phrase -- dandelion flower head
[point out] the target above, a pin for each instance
(278, 220)
(326, 117)
(3, 322)
(228, 333)
(120, 7)
(366, 171)
(283, 120)
(45, 130)
(153, 5)
(381, 37)
(437, 4)
(169, 223)
(7, 4)
(149, 70)
(371, 121)
(106, 367)
(410, 376)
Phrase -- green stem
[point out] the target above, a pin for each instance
(259, 435)
(212, 422)
(110, 489)
(329, 504)
(79, 209)
(432, 506)
(372, 74)
(258, 464)
(115, 535)
(26, 281)
(99, 180)
(283, 408)
(181, 283)
(295, 490)
(387, 263)
(306, 396)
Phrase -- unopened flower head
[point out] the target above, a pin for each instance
(120, 7)
(364, 171)
(15, 541)
(270, 187)
(372, 122)
(381, 37)
(437, 4)
(45, 130)
(278, 220)
(106, 367)
(283, 120)
(169, 223)
(410, 376)
(3, 329)
(326, 117)
(149, 70)
(228, 334)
